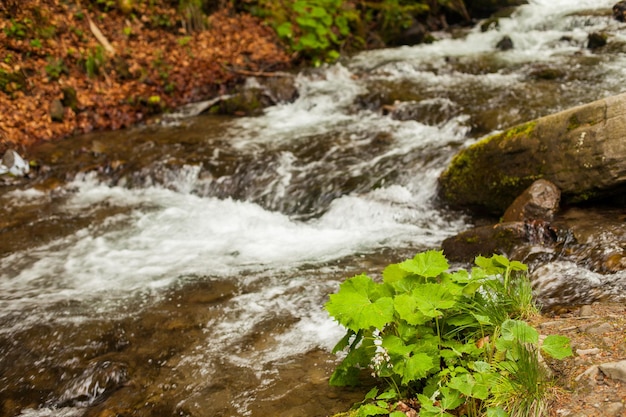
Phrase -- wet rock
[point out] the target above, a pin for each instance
(619, 11)
(484, 8)
(505, 44)
(580, 150)
(540, 201)
(257, 94)
(596, 40)
(13, 164)
(547, 73)
(490, 24)
(503, 238)
(69, 98)
(97, 381)
(57, 111)
(614, 370)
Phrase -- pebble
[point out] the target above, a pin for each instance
(590, 373)
(613, 409)
(585, 311)
(614, 370)
(595, 328)
(592, 351)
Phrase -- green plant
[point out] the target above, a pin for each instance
(35, 43)
(55, 67)
(17, 29)
(451, 340)
(94, 61)
(316, 29)
(192, 16)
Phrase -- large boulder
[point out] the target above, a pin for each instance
(581, 150)
(484, 8)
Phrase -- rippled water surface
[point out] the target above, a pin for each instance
(182, 269)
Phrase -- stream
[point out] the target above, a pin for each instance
(182, 268)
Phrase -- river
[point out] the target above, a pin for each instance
(192, 282)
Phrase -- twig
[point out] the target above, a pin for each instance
(260, 73)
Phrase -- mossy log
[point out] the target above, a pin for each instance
(581, 150)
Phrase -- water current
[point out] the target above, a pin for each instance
(193, 283)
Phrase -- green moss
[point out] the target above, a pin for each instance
(525, 129)
(573, 123)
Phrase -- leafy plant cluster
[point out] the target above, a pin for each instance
(318, 30)
(456, 343)
(315, 29)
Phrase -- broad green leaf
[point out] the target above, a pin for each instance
(557, 346)
(318, 12)
(481, 366)
(390, 394)
(430, 298)
(463, 383)
(393, 273)
(484, 382)
(488, 266)
(417, 367)
(426, 264)
(371, 393)
(407, 284)
(518, 266)
(520, 331)
(285, 30)
(355, 305)
(397, 414)
(371, 410)
(500, 260)
(396, 347)
(450, 398)
(406, 307)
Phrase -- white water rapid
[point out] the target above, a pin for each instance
(272, 257)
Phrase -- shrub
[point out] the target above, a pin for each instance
(449, 340)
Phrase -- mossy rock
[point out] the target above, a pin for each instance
(581, 150)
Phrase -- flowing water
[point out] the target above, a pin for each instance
(182, 269)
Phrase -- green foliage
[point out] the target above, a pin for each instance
(95, 61)
(55, 67)
(315, 29)
(17, 30)
(447, 338)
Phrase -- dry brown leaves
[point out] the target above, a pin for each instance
(150, 61)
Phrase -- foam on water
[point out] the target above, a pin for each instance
(169, 234)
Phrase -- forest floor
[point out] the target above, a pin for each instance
(598, 336)
(67, 69)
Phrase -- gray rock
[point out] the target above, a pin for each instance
(540, 201)
(581, 150)
(505, 44)
(619, 11)
(596, 40)
(613, 409)
(595, 328)
(614, 370)
(12, 163)
(585, 311)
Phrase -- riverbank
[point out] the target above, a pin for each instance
(67, 69)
